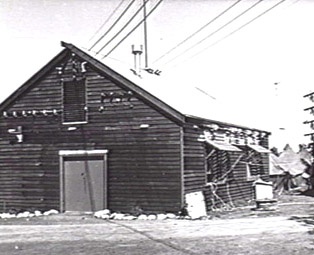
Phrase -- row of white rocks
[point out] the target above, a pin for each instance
(102, 214)
(107, 215)
(27, 214)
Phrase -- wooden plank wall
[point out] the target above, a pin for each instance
(144, 166)
(238, 191)
(239, 188)
(194, 160)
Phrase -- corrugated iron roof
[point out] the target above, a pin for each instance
(187, 99)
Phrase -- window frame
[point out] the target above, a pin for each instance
(252, 174)
(221, 169)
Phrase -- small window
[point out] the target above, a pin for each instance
(218, 166)
(254, 165)
(219, 160)
(256, 161)
(74, 101)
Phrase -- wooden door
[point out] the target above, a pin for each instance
(84, 183)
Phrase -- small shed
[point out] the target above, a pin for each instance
(80, 136)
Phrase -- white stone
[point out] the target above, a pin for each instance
(112, 215)
(142, 217)
(46, 213)
(53, 211)
(151, 217)
(171, 216)
(105, 216)
(118, 216)
(26, 214)
(8, 216)
(106, 211)
(129, 217)
(21, 215)
(100, 213)
(3, 215)
(37, 213)
(161, 216)
(50, 212)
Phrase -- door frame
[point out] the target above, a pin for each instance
(78, 153)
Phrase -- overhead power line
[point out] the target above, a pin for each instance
(106, 21)
(125, 25)
(138, 24)
(238, 29)
(247, 23)
(199, 30)
(216, 31)
(112, 26)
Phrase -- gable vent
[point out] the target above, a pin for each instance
(74, 101)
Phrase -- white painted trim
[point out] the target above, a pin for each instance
(74, 123)
(82, 152)
(182, 166)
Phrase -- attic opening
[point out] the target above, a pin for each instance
(74, 101)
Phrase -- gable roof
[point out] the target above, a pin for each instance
(151, 92)
(102, 69)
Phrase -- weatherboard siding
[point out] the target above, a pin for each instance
(144, 165)
(194, 160)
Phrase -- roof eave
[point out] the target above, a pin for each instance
(200, 120)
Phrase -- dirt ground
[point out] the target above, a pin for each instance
(287, 230)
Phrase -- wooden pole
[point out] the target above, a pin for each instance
(145, 34)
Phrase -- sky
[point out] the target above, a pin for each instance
(257, 73)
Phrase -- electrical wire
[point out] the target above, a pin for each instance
(238, 29)
(107, 20)
(112, 26)
(138, 24)
(125, 25)
(198, 31)
(248, 23)
(216, 31)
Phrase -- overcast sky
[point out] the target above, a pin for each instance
(260, 72)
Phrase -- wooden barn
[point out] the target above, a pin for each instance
(79, 136)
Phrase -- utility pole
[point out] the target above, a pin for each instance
(310, 122)
(145, 34)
